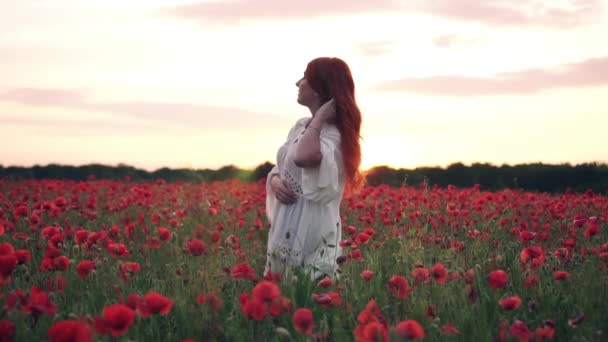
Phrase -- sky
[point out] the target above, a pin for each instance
(204, 84)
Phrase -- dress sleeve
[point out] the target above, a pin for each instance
(323, 183)
(271, 200)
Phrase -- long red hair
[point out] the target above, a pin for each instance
(330, 77)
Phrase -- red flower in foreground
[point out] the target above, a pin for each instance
(510, 303)
(371, 332)
(7, 330)
(243, 271)
(8, 263)
(154, 303)
(421, 275)
(266, 291)
(561, 275)
(128, 269)
(195, 247)
(399, 287)
(546, 331)
(253, 308)
(409, 330)
(39, 303)
(325, 282)
(164, 234)
(520, 331)
(303, 321)
(117, 318)
(70, 331)
(440, 273)
(23, 256)
(84, 268)
(498, 279)
(532, 256)
(367, 275)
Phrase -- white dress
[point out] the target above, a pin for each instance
(307, 233)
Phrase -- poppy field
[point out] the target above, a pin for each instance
(151, 261)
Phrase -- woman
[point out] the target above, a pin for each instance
(315, 166)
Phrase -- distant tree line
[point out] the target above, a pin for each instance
(532, 177)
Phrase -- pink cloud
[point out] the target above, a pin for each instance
(186, 114)
(513, 12)
(230, 11)
(453, 40)
(44, 97)
(588, 73)
(376, 48)
(495, 12)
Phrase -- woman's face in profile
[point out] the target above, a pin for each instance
(306, 95)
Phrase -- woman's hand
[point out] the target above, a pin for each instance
(327, 112)
(281, 191)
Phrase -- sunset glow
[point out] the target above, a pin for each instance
(203, 84)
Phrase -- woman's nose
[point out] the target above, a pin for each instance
(299, 82)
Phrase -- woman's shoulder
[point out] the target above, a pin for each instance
(302, 121)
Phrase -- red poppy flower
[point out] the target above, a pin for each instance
(520, 331)
(421, 275)
(117, 318)
(592, 229)
(367, 275)
(23, 256)
(266, 291)
(371, 332)
(84, 268)
(8, 263)
(7, 330)
(195, 247)
(164, 234)
(510, 303)
(531, 281)
(409, 330)
(153, 242)
(61, 263)
(303, 321)
(362, 238)
(561, 275)
(325, 282)
(128, 269)
(399, 286)
(71, 330)
(440, 273)
(532, 256)
(38, 303)
(212, 299)
(118, 250)
(215, 237)
(56, 284)
(243, 271)
(449, 329)
(546, 331)
(200, 299)
(81, 236)
(154, 303)
(133, 301)
(6, 249)
(498, 279)
(254, 309)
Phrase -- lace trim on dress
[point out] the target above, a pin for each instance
(285, 254)
(292, 183)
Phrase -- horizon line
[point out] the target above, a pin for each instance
(571, 164)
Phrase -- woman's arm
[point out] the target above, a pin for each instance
(308, 151)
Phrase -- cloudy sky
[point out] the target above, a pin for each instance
(203, 84)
